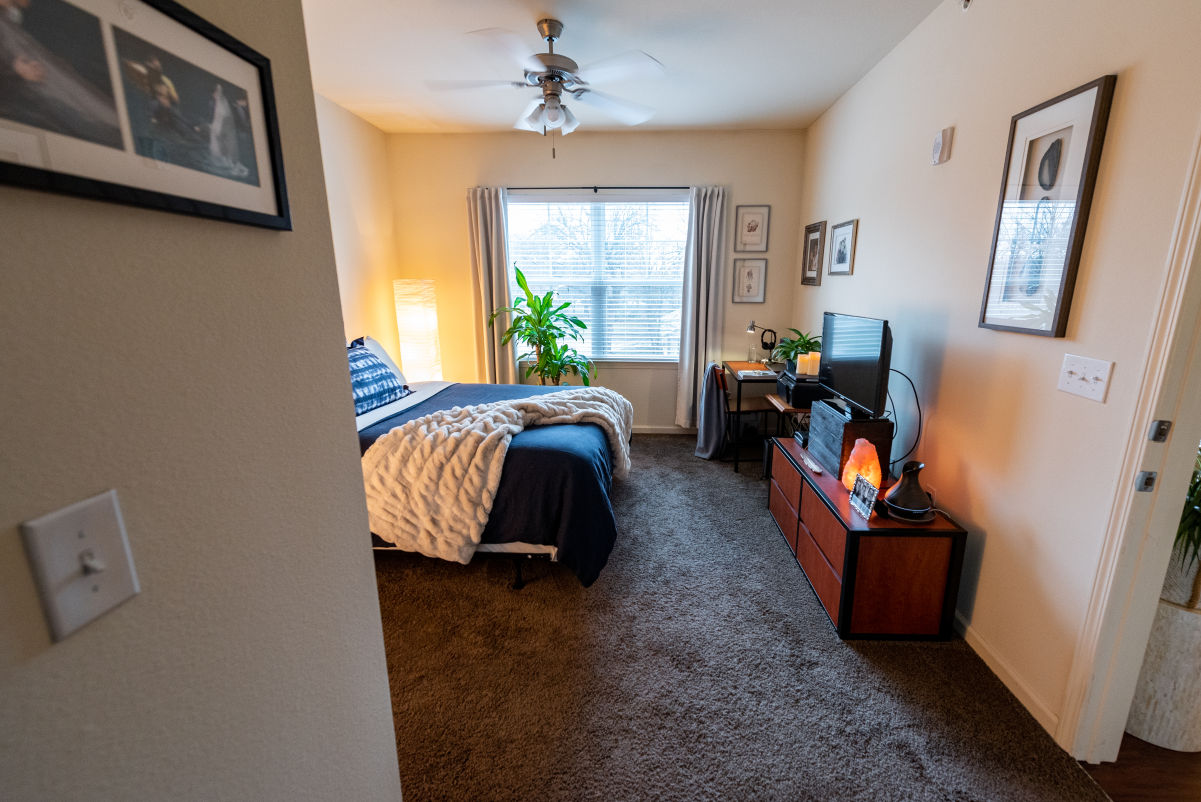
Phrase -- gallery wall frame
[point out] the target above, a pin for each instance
(813, 252)
(144, 103)
(1047, 183)
(843, 239)
(750, 281)
(751, 228)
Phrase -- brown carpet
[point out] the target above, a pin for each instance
(699, 666)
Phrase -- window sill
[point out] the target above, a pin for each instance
(628, 364)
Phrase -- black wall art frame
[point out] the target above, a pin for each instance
(141, 102)
(1047, 184)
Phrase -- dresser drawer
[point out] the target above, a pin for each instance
(787, 478)
(825, 583)
(826, 530)
(785, 515)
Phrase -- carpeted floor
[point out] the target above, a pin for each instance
(699, 666)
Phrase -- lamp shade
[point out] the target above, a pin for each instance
(417, 323)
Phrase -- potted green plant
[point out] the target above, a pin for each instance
(539, 324)
(789, 347)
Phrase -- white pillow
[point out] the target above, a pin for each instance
(377, 349)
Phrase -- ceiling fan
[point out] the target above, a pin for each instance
(555, 75)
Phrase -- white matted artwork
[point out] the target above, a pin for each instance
(750, 280)
(139, 102)
(842, 248)
(1050, 170)
(751, 228)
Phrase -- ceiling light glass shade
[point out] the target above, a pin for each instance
(417, 323)
(551, 114)
(570, 123)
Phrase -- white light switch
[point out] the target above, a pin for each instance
(1086, 377)
(81, 561)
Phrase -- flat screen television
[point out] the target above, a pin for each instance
(856, 352)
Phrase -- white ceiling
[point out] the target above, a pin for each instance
(768, 64)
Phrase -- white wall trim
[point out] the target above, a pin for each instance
(1006, 673)
(1090, 710)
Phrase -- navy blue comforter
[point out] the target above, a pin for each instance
(554, 489)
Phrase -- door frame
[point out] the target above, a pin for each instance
(1141, 527)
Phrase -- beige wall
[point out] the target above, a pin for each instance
(355, 155)
(1028, 469)
(431, 174)
(197, 367)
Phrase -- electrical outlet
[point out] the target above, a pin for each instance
(1085, 377)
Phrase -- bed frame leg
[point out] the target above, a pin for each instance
(518, 582)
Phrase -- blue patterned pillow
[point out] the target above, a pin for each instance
(373, 383)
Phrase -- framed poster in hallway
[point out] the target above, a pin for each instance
(139, 102)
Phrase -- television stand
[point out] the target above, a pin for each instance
(832, 435)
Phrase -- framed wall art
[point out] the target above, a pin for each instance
(811, 254)
(842, 248)
(139, 102)
(1047, 185)
(750, 281)
(752, 224)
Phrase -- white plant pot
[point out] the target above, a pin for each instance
(1167, 702)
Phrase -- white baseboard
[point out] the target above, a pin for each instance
(1029, 699)
(662, 430)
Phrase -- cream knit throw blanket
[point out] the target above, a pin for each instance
(430, 483)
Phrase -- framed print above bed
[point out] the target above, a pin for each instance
(139, 102)
(1047, 185)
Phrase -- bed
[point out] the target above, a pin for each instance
(553, 498)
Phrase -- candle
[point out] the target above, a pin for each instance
(815, 360)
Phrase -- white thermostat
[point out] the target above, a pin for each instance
(942, 146)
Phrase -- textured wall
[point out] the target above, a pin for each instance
(1030, 470)
(431, 174)
(355, 155)
(198, 368)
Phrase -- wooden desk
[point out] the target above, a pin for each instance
(877, 579)
(731, 369)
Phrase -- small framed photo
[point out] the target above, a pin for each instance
(750, 280)
(814, 250)
(139, 102)
(752, 225)
(842, 248)
(863, 497)
(1051, 167)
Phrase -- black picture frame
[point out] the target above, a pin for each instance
(999, 277)
(812, 254)
(50, 180)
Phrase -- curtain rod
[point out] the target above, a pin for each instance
(596, 189)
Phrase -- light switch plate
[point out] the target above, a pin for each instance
(1085, 377)
(81, 561)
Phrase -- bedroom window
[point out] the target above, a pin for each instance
(619, 261)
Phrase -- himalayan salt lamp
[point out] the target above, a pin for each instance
(863, 460)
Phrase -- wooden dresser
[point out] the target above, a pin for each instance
(882, 579)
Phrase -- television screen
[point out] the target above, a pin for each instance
(855, 359)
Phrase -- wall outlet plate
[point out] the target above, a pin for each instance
(1085, 377)
(81, 561)
(941, 151)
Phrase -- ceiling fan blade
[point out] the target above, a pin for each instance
(512, 46)
(634, 64)
(626, 111)
(521, 123)
(451, 86)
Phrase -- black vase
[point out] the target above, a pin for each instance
(906, 500)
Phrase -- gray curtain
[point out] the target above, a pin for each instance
(486, 208)
(701, 310)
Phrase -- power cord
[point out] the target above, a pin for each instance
(916, 401)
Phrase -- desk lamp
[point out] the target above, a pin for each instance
(767, 340)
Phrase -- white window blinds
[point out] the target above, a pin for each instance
(620, 263)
